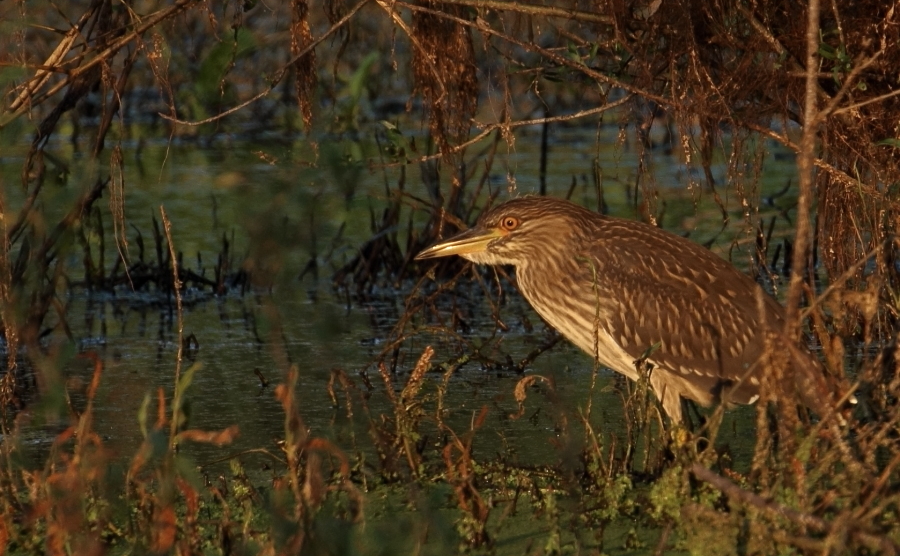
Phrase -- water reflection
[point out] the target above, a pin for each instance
(282, 216)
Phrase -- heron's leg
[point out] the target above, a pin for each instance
(668, 394)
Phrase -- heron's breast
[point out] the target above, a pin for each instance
(582, 318)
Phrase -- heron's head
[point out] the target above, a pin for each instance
(518, 232)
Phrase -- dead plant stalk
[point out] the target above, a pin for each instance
(176, 287)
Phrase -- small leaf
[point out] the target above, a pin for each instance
(187, 378)
(827, 51)
(520, 393)
(890, 142)
(142, 414)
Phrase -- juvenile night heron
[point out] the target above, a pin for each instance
(620, 289)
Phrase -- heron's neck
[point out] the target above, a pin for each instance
(551, 286)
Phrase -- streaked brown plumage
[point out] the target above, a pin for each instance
(616, 288)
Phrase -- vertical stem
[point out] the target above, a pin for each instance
(806, 169)
(176, 285)
(545, 132)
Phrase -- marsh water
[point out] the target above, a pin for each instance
(281, 203)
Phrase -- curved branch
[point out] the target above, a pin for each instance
(279, 75)
(100, 57)
(531, 9)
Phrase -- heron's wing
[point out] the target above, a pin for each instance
(693, 315)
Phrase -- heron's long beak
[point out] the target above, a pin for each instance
(473, 240)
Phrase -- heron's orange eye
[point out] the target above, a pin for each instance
(509, 223)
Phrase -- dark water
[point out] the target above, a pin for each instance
(277, 201)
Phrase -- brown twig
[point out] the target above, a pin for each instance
(535, 9)
(735, 492)
(805, 167)
(176, 287)
(279, 75)
(100, 57)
